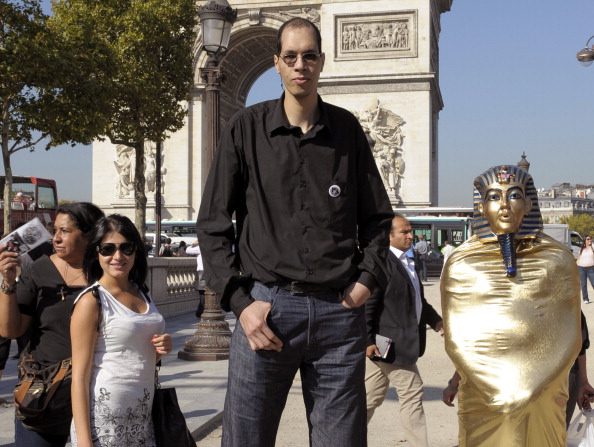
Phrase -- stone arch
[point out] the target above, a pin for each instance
(393, 88)
(250, 54)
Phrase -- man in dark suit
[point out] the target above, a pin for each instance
(400, 313)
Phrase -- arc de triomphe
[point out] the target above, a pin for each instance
(382, 63)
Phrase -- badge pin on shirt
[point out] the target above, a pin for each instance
(334, 191)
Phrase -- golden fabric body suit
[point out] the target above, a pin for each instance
(512, 340)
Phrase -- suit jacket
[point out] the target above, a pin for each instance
(391, 312)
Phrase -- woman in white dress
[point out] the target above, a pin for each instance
(117, 338)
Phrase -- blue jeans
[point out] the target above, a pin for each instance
(326, 343)
(28, 438)
(586, 272)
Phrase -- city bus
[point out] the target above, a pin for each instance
(177, 230)
(31, 197)
(438, 225)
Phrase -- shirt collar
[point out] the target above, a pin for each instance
(279, 122)
(398, 253)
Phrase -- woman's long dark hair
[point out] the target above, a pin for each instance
(116, 223)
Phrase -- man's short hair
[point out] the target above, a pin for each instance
(297, 22)
(399, 216)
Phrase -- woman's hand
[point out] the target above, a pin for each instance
(9, 263)
(162, 343)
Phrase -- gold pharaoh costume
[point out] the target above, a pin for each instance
(514, 337)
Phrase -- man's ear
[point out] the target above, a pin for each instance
(276, 62)
(481, 208)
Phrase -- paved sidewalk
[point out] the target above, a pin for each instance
(200, 386)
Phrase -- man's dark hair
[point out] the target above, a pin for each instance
(297, 22)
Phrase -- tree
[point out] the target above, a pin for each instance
(47, 83)
(582, 223)
(151, 44)
(21, 27)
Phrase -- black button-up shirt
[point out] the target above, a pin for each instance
(309, 208)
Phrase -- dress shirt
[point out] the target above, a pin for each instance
(409, 265)
(309, 207)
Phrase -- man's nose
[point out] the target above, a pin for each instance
(299, 63)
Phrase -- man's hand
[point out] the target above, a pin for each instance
(585, 396)
(439, 328)
(253, 322)
(372, 351)
(449, 393)
(355, 295)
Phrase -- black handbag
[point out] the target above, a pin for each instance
(42, 395)
(168, 420)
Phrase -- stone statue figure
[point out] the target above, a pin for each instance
(384, 133)
(150, 167)
(511, 308)
(125, 167)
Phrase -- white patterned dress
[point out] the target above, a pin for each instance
(123, 375)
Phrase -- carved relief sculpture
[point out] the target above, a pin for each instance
(125, 164)
(384, 133)
(311, 14)
(363, 37)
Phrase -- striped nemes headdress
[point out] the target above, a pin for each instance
(505, 174)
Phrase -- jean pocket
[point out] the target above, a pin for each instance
(261, 292)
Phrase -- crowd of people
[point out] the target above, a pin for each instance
(324, 280)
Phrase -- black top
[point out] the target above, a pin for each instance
(309, 208)
(43, 295)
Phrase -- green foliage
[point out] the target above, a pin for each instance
(149, 43)
(582, 223)
(22, 33)
(148, 47)
(22, 36)
(117, 69)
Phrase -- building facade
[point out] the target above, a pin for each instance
(382, 63)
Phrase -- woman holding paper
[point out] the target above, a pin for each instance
(41, 302)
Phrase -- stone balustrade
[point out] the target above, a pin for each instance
(172, 283)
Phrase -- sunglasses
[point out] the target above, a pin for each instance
(109, 249)
(308, 58)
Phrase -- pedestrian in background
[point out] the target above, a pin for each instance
(422, 250)
(585, 262)
(166, 251)
(181, 250)
(399, 313)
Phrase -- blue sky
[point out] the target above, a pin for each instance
(510, 83)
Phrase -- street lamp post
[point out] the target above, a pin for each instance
(212, 337)
(586, 55)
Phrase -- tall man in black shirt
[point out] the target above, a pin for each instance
(311, 239)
